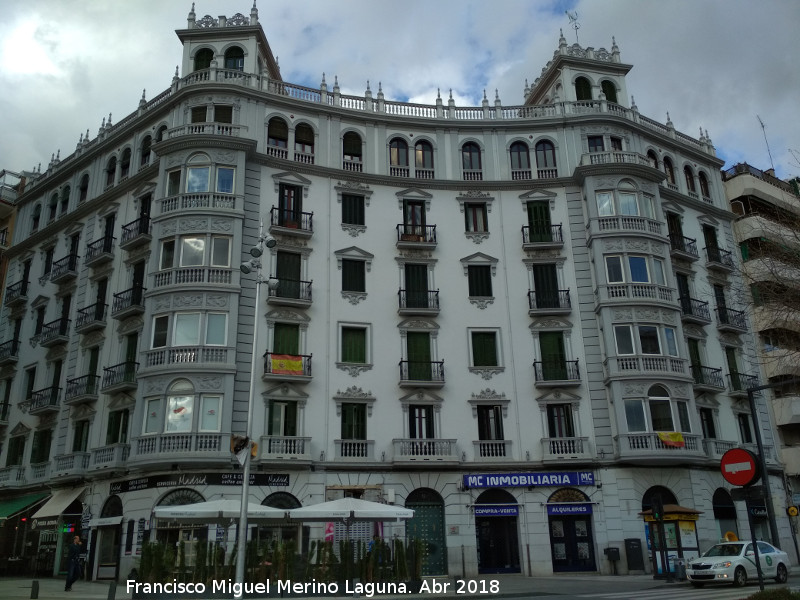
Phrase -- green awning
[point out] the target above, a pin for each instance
(11, 506)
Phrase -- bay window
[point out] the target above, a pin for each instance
(624, 202)
(196, 251)
(645, 339)
(191, 329)
(658, 412)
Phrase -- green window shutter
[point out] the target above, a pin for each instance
(286, 339)
(354, 422)
(694, 352)
(484, 349)
(352, 209)
(554, 357)
(418, 345)
(353, 279)
(480, 280)
(545, 282)
(539, 222)
(354, 345)
(416, 278)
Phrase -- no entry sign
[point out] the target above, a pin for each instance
(739, 467)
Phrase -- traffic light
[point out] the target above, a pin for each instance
(658, 508)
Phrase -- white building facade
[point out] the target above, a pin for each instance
(514, 320)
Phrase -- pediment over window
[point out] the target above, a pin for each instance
(417, 324)
(672, 207)
(354, 253)
(285, 314)
(488, 397)
(538, 195)
(558, 397)
(550, 323)
(121, 401)
(707, 220)
(107, 209)
(19, 429)
(291, 179)
(40, 301)
(353, 187)
(353, 395)
(83, 411)
(285, 391)
(421, 396)
(479, 258)
(414, 194)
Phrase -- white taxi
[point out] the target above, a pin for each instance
(734, 562)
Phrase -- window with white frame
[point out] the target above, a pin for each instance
(634, 269)
(484, 348)
(624, 201)
(475, 217)
(645, 339)
(196, 251)
(191, 329)
(354, 346)
(152, 416)
(479, 269)
(202, 176)
(658, 412)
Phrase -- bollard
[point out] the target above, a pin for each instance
(112, 590)
(34, 589)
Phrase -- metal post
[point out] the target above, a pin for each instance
(755, 545)
(762, 463)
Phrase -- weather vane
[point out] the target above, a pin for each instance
(573, 21)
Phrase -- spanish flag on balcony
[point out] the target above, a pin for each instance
(672, 438)
(286, 364)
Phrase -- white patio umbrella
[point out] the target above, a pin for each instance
(349, 510)
(217, 511)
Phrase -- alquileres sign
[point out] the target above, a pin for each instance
(484, 480)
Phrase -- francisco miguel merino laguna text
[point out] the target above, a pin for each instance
(228, 586)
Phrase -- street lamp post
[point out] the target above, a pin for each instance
(247, 267)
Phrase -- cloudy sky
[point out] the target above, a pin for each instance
(716, 64)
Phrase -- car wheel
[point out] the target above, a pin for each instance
(697, 584)
(781, 575)
(739, 577)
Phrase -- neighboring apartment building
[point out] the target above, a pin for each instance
(515, 320)
(766, 228)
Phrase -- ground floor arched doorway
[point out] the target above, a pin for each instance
(496, 530)
(427, 525)
(571, 538)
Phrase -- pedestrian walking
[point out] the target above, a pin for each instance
(74, 566)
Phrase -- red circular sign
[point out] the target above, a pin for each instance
(739, 467)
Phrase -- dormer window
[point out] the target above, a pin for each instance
(234, 59)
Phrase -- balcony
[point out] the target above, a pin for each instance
(285, 448)
(91, 318)
(565, 448)
(13, 476)
(120, 378)
(636, 292)
(472, 174)
(39, 472)
(354, 450)
(100, 252)
(790, 457)
(740, 383)
(203, 356)
(650, 449)
(729, 319)
(82, 390)
(199, 448)
(492, 450)
(621, 366)
(289, 292)
(65, 269)
(431, 450)
(542, 237)
(287, 367)
(136, 233)
(45, 400)
(113, 457)
(694, 311)
(193, 276)
(714, 448)
(624, 224)
(419, 237)
(9, 352)
(352, 164)
(68, 466)
(290, 222)
(683, 247)
(128, 303)
(414, 302)
(55, 333)
(208, 127)
(417, 373)
(555, 302)
(556, 373)
(16, 294)
(787, 410)
(203, 201)
(719, 260)
(615, 157)
(707, 379)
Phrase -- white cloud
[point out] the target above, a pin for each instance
(714, 64)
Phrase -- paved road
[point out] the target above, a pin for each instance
(561, 587)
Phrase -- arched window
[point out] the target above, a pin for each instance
(398, 153)
(471, 157)
(651, 156)
(203, 58)
(667, 415)
(667, 497)
(37, 216)
(64, 200)
(610, 91)
(705, 190)
(689, 176)
(669, 170)
(145, 155)
(125, 164)
(520, 161)
(234, 59)
(583, 89)
(423, 153)
(546, 160)
(277, 133)
(351, 151)
(304, 140)
(83, 188)
(111, 171)
(53, 207)
(160, 133)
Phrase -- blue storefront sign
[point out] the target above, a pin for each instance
(569, 509)
(497, 511)
(486, 480)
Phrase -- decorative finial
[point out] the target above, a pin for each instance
(451, 93)
(143, 93)
(496, 94)
(438, 92)
(484, 93)
(669, 122)
(633, 103)
(58, 154)
(109, 120)
(368, 85)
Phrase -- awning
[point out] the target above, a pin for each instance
(104, 521)
(12, 506)
(59, 501)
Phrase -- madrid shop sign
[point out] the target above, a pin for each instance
(180, 480)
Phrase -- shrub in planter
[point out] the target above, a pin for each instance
(775, 594)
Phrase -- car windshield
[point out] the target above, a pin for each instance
(724, 550)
